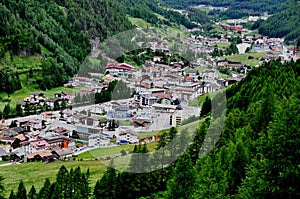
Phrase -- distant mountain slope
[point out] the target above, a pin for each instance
(246, 6)
(149, 10)
(61, 29)
(284, 23)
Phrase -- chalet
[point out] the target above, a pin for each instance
(51, 101)
(119, 69)
(35, 125)
(79, 118)
(176, 118)
(45, 156)
(121, 111)
(48, 116)
(18, 140)
(140, 122)
(93, 120)
(13, 131)
(62, 153)
(35, 146)
(68, 97)
(62, 131)
(60, 141)
(256, 37)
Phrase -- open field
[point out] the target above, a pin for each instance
(139, 22)
(111, 152)
(36, 173)
(222, 45)
(244, 58)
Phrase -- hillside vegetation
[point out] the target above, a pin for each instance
(59, 31)
(284, 23)
(236, 8)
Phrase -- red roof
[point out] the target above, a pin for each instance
(40, 144)
(122, 66)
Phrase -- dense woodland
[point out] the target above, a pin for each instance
(148, 10)
(256, 156)
(64, 28)
(242, 6)
(284, 23)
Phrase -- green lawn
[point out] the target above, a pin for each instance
(111, 151)
(139, 22)
(222, 45)
(244, 58)
(36, 173)
(45, 50)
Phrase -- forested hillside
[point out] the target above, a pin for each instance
(256, 156)
(237, 8)
(284, 23)
(59, 29)
(149, 11)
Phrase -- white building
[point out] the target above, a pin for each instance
(98, 140)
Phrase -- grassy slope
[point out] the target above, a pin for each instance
(36, 173)
(139, 22)
(244, 58)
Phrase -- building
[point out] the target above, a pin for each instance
(127, 135)
(62, 153)
(98, 140)
(119, 69)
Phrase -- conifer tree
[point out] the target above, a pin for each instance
(21, 193)
(11, 196)
(32, 193)
(206, 107)
(1, 187)
(181, 185)
(45, 190)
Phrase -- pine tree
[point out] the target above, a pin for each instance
(181, 185)
(57, 192)
(21, 194)
(1, 187)
(195, 146)
(12, 195)
(62, 180)
(32, 193)
(45, 190)
(106, 187)
(77, 195)
(237, 166)
(275, 174)
(206, 107)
